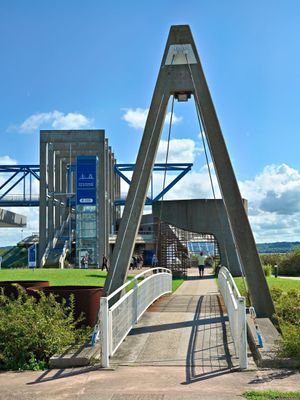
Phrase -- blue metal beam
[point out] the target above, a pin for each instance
(33, 170)
(172, 184)
(173, 167)
(19, 174)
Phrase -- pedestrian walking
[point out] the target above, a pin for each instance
(140, 261)
(86, 261)
(154, 261)
(201, 262)
(104, 263)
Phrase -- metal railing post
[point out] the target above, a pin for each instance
(243, 332)
(104, 332)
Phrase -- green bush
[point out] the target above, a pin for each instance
(290, 342)
(32, 331)
(288, 314)
(290, 265)
(272, 258)
(267, 269)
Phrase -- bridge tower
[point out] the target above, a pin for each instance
(181, 75)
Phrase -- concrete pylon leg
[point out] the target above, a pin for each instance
(181, 72)
(137, 192)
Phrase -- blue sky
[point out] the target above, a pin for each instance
(94, 64)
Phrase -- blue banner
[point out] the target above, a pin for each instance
(32, 256)
(86, 180)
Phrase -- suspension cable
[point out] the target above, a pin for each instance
(165, 172)
(197, 103)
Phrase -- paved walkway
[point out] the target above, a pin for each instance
(295, 278)
(188, 328)
(181, 350)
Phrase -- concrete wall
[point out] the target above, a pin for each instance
(10, 219)
(58, 148)
(202, 216)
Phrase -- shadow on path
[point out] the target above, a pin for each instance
(62, 373)
(204, 344)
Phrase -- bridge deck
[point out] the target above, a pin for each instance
(188, 328)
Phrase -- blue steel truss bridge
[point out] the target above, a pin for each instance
(24, 179)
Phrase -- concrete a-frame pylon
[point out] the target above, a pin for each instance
(181, 73)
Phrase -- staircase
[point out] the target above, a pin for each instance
(57, 248)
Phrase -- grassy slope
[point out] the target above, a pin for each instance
(284, 284)
(58, 277)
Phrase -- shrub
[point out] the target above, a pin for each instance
(32, 331)
(290, 265)
(288, 314)
(273, 258)
(267, 269)
(290, 342)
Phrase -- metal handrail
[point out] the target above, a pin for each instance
(136, 277)
(236, 310)
(114, 323)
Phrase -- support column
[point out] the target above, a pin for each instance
(43, 205)
(50, 192)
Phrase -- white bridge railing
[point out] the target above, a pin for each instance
(117, 320)
(236, 310)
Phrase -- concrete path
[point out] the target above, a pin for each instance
(180, 350)
(188, 328)
(295, 278)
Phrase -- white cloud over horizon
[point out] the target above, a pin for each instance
(136, 118)
(55, 120)
(273, 199)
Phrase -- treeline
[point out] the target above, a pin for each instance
(277, 247)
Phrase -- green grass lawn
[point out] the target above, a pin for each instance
(270, 395)
(284, 284)
(59, 277)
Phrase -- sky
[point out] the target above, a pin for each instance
(70, 64)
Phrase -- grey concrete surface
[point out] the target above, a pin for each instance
(188, 328)
(202, 216)
(9, 219)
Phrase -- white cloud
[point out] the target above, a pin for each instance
(274, 199)
(180, 150)
(6, 160)
(136, 118)
(55, 120)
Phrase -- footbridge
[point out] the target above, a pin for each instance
(199, 327)
(25, 179)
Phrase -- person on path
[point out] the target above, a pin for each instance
(104, 263)
(201, 262)
(86, 261)
(154, 261)
(82, 262)
(135, 262)
(140, 261)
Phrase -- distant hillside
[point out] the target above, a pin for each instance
(276, 247)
